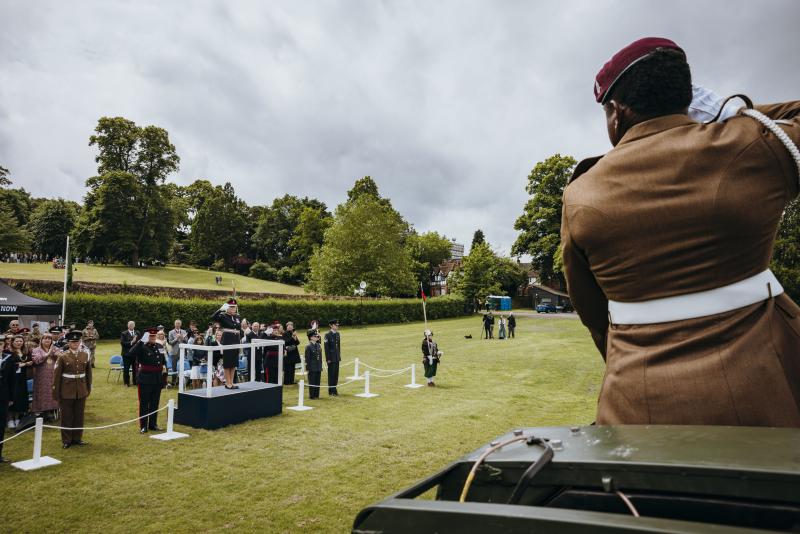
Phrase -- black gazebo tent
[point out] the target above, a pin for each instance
(14, 303)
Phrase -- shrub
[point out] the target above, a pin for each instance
(263, 271)
(111, 312)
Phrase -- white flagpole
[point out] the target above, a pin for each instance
(424, 312)
(64, 296)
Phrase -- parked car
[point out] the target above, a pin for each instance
(545, 307)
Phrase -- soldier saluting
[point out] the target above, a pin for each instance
(72, 383)
(231, 325)
(151, 363)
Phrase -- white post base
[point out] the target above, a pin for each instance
(413, 383)
(300, 394)
(366, 395)
(30, 465)
(167, 436)
(415, 386)
(355, 373)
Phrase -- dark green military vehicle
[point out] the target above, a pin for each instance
(608, 479)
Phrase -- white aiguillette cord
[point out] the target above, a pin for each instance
(773, 127)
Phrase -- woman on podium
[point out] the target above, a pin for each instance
(231, 325)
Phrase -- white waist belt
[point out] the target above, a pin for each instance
(722, 299)
(65, 375)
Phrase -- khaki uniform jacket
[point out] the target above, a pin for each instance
(675, 208)
(90, 337)
(74, 364)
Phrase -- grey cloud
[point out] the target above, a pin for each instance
(448, 105)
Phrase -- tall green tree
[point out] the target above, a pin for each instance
(427, 252)
(308, 237)
(478, 276)
(50, 224)
(478, 238)
(219, 229)
(13, 237)
(277, 225)
(365, 242)
(133, 162)
(786, 254)
(540, 222)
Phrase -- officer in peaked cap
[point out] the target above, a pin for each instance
(72, 384)
(151, 364)
(666, 243)
(313, 357)
(333, 355)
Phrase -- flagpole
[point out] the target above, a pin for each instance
(424, 313)
(64, 296)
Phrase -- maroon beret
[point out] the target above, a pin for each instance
(625, 59)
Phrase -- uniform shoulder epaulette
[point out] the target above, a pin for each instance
(583, 166)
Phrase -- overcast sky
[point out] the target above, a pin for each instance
(446, 104)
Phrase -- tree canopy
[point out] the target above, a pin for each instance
(365, 242)
(50, 224)
(540, 222)
(132, 165)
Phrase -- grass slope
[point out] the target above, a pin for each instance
(310, 471)
(151, 276)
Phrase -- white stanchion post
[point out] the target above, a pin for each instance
(209, 372)
(303, 365)
(38, 461)
(355, 373)
(170, 433)
(413, 383)
(181, 372)
(366, 393)
(300, 406)
(252, 361)
(280, 364)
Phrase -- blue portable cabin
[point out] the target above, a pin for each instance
(498, 303)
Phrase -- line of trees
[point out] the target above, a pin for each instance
(133, 214)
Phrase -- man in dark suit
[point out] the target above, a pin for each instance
(126, 340)
(333, 355)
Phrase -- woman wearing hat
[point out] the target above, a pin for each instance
(430, 356)
(231, 326)
(44, 359)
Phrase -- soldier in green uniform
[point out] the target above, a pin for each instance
(72, 383)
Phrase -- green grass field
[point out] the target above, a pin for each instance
(151, 276)
(308, 471)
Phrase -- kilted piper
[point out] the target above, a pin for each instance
(231, 325)
(72, 383)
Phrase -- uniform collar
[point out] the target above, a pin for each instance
(654, 126)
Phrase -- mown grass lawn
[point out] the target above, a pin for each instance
(310, 471)
(150, 276)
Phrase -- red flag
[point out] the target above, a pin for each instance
(422, 292)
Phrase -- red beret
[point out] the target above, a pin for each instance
(625, 59)
(231, 301)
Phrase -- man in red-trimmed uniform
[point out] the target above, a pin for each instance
(151, 365)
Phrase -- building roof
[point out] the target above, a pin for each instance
(550, 290)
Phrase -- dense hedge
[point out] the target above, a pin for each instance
(112, 312)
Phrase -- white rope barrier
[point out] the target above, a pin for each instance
(381, 370)
(399, 371)
(17, 434)
(326, 385)
(38, 461)
(106, 426)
